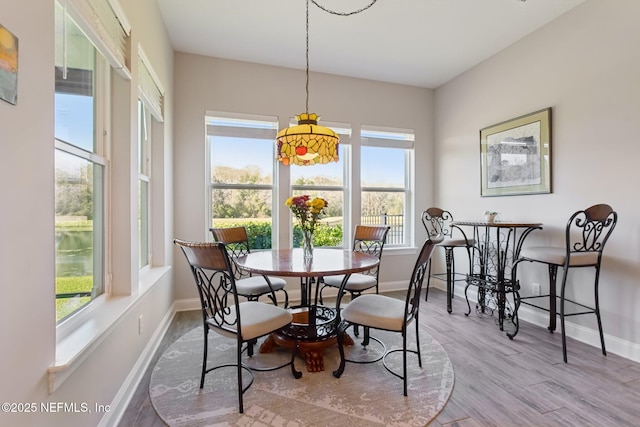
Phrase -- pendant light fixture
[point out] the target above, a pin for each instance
(308, 143)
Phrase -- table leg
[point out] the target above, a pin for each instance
(448, 254)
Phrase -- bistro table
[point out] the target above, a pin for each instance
(490, 268)
(314, 326)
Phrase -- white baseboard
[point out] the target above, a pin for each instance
(123, 397)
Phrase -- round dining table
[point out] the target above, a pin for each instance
(314, 326)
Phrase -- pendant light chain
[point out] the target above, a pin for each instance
(333, 12)
(309, 143)
(307, 53)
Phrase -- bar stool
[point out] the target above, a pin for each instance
(438, 222)
(586, 234)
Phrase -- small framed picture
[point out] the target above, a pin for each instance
(515, 156)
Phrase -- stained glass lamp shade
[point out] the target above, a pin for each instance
(307, 143)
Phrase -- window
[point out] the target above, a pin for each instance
(144, 162)
(386, 181)
(242, 163)
(80, 169)
(327, 181)
(150, 113)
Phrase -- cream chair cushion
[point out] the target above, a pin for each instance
(356, 282)
(457, 242)
(556, 256)
(376, 311)
(258, 319)
(256, 285)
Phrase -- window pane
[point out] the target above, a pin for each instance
(143, 223)
(74, 97)
(385, 208)
(383, 167)
(250, 208)
(144, 152)
(386, 181)
(329, 174)
(79, 228)
(241, 160)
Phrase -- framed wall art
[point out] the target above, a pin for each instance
(515, 156)
(8, 66)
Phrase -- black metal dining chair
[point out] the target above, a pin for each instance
(373, 311)
(437, 222)
(251, 287)
(369, 240)
(586, 234)
(223, 313)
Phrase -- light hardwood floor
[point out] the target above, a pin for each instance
(498, 382)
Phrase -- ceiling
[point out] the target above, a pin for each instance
(421, 43)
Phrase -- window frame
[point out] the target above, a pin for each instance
(99, 156)
(399, 139)
(211, 186)
(145, 136)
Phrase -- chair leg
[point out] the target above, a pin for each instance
(365, 340)
(562, 324)
(239, 366)
(286, 298)
(404, 360)
(418, 342)
(453, 275)
(341, 331)
(448, 251)
(597, 310)
(204, 356)
(250, 345)
(296, 374)
(426, 292)
(319, 293)
(553, 274)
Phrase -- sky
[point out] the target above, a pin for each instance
(375, 170)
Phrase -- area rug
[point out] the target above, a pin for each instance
(365, 395)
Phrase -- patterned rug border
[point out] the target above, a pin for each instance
(317, 399)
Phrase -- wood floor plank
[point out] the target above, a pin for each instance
(498, 382)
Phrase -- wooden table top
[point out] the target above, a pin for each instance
(290, 262)
(504, 224)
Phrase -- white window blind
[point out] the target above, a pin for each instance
(105, 24)
(151, 91)
(374, 136)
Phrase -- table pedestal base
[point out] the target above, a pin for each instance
(310, 348)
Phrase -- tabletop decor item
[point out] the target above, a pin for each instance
(307, 212)
(515, 156)
(490, 216)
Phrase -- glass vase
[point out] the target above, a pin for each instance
(307, 244)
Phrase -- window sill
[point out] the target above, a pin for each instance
(404, 250)
(92, 326)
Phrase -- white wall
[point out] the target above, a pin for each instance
(27, 263)
(585, 66)
(203, 83)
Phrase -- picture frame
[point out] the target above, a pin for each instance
(515, 156)
(8, 66)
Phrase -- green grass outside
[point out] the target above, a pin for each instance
(70, 285)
